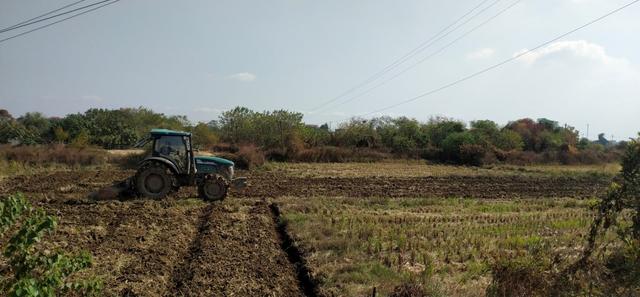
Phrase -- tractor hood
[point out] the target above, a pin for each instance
(219, 161)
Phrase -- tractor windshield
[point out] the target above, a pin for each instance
(174, 149)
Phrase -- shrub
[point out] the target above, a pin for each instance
(568, 154)
(225, 147)
(332, 154)
(30, 270)
(522, 276)
(472, 154)
(248, 157)
(129, 159)
(416, 290)
(408, 290)
(277, 155)
(522, 158)
(55, 153)
(452, 148)
(325, 154)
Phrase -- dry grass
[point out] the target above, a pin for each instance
(413, 168)
(16, 160)
(356, 244)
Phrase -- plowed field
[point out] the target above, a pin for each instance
(182, 246)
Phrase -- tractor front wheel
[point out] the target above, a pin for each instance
(154, 181)
(213, 188)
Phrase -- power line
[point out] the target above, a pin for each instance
(503, 62)
(42, 15)
(421, 47)
(59, 21)
(27, 23)
(432, 54)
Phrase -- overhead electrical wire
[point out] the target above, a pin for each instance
(432, 54)
(468, 77)
(41, 16)
(421, 47)
(58, 21)
(15, 27)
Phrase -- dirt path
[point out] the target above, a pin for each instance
(236, 253)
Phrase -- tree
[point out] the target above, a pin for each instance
(452, 145)
(437, 129)
(5, 115)
(81, 140)
(60, 135)
(314, 136)
(486, 131)
(508, 140)
(237, 125)
(277, 129)
(12, 131)
(358, 133)
(204, 136)
(37, 123)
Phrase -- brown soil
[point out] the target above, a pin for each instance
(270, 185)
(182, 247)
(69, 186)
(185, 247)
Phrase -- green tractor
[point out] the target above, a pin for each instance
(172, 164)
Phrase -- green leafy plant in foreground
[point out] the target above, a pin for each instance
(30, 271)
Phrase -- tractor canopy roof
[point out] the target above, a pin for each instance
(166, 132)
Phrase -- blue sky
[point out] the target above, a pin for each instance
(199, 58)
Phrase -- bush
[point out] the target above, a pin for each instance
(452, 144)
(225, 148)
(568, 154)
(277, 155)
(129, 159)
(31, 270)
(332, 154)
(408, 290)
(325, 154)
(55, 153)
(522, 158)
(472, 154)
(250, 157)
(247, 157)
(522, 276)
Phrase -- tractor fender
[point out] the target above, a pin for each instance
(166, 162)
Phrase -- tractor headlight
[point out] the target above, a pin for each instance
(231, 172)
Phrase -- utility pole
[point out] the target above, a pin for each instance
(587, 131)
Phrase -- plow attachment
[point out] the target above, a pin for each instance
(118, 190)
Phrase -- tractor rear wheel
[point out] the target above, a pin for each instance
(213, 188)
(154, 181)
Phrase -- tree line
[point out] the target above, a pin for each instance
(283, 135)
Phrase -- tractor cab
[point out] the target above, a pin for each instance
(173, 148)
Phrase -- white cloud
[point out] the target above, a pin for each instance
(568, 50)
(577, 80)
(482, 53)
(243, 77)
